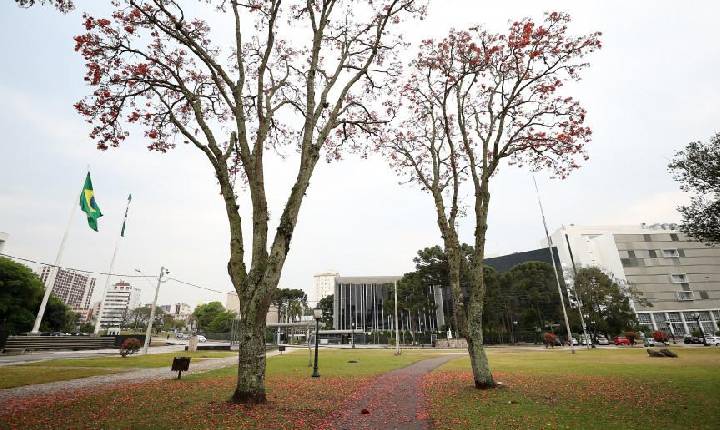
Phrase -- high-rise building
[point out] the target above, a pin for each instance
(75, 289)
(323, 286)
(120, 299)
(677, 274)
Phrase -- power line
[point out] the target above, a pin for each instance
(117, 275)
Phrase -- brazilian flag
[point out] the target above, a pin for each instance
(88, 204)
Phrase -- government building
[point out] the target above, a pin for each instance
(677, 274)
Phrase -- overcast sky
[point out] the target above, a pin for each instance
(650, 90)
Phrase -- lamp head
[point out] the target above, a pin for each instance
(317, 313)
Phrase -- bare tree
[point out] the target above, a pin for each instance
(475, 99)
(309, 74)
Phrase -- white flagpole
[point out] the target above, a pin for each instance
(552, 258)
(50, 281)
(110, 270)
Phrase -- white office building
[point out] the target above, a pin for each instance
(120, 299)
(323, 286)
(678, 275)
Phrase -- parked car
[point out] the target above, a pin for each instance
(692, 340)
(648, 341)
(602, 340)
(179, 335)
(574, 342)
(621, 340)
(201, 338)
(712, 340)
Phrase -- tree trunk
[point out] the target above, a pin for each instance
(251, 362)
(452, 249)
(478, 359)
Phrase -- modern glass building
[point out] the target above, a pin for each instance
(359, 302)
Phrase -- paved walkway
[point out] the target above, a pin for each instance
(393, 401)
(133, 375)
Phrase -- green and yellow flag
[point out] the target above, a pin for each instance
(88, 205)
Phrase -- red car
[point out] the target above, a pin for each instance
(621, 340)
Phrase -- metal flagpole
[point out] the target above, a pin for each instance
(50, 281)
(110, 269)
(557, 277)
(588, 341)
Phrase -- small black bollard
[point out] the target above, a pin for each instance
(180, 365)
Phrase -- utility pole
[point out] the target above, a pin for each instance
(397, 327)
(148, 331)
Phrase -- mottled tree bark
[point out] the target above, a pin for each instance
(478, 358)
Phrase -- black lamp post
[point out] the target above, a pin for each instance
(317, 313)
(352, 334)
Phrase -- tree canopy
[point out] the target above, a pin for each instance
(697, 168)
(214, 318)
(21, 291)
(606, 303)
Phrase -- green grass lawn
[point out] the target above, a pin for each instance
(41, 372)
(597, 389)
(296, 401)
(15, 376)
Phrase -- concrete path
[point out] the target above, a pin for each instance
(29, 357)
(133, 375)
(393, 401)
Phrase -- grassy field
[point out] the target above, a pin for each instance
(15, 376)
(71, 368)
(296, 401)
(598, 389)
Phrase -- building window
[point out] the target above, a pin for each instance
(684, 295)
(659, 317)
(647, 238)
(674, 317)
(653, 253)
(674, 237)
(704, 295)
(644, 319)
(670, 253)
(631, 254)
(678, 278)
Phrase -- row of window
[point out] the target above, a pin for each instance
(673, 236)
(684, 296)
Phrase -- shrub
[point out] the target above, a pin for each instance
(549, 339)
(631, 336)
(129, 346)
(660, 336)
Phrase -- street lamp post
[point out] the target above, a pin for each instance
(317, 313)
(352, 334)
